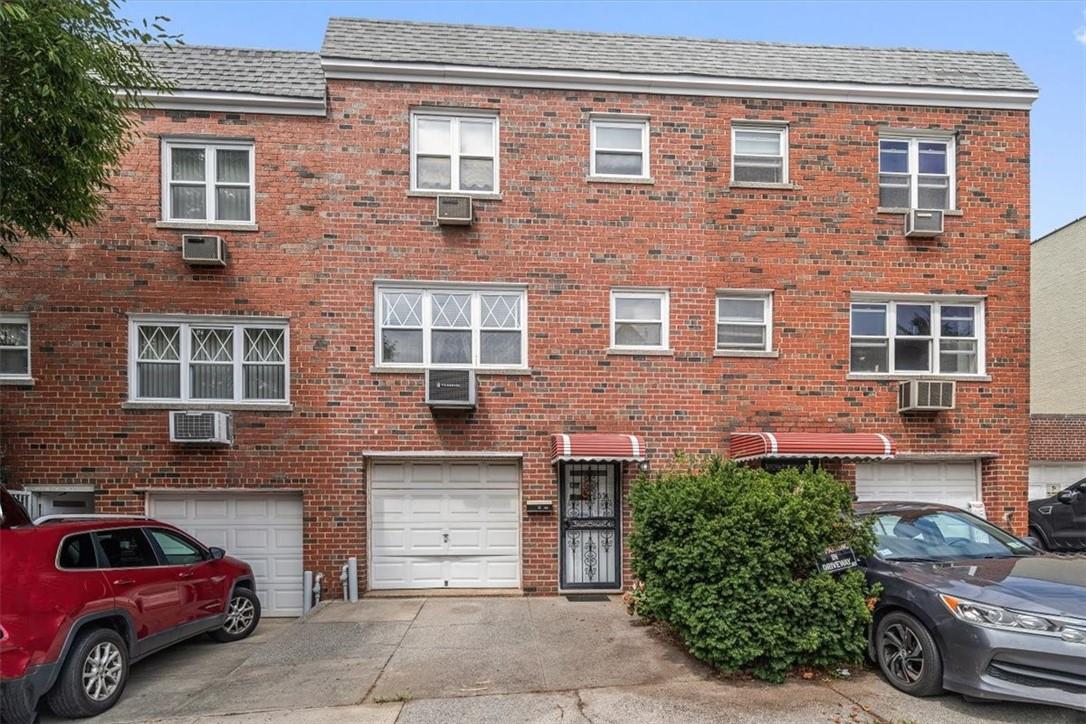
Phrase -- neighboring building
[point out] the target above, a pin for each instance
(1058, 366)
(674, 240)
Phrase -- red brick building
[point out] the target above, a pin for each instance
(673, 240)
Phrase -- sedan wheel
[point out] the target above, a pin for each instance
(908, 655)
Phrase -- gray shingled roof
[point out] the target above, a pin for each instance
(281, 73)
(502, 47)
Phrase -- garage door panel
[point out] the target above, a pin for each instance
(437, 525)
(264, 530)
(948, 483)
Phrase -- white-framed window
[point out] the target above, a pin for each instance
(454, 152)
(917, 337)
(744, 321)
(14, 347)
(639, 319)
(620, 148)
(452, 326)
(209, 359)
(916, 172)
(759, 153)
(208, 181)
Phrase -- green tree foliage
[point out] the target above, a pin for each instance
(70, 72)
(727, 555)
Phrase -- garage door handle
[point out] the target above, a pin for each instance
(445, 537)
(124, 582)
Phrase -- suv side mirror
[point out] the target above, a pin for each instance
(1067, 496)
(216, 553)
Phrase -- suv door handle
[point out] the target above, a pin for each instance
(124, 582)
(185, 574)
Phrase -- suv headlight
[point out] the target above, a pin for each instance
(982, 614)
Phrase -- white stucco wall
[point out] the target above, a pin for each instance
(1058, 301)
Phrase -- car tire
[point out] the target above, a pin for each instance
(1036, 533)
(908, 656)
(242, 616)
(93, 676)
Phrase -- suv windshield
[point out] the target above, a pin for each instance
(941, 535)
(12, 514)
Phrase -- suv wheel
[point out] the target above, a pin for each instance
(93, 675)
(242, 616)
(908, 656)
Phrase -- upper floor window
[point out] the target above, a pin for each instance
(452, 327)
(207, 359)
(744, 322)
(454, 152)
(916, 173)
(917, 337)
(639, 319)
(759, 153)
(14, 346)
(620, 148)
(208, 181)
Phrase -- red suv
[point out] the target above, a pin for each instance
(81, 599)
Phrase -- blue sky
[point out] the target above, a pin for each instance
(1048, 39)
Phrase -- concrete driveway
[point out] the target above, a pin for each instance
(495, 660)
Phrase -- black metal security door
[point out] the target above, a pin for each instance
(591, 552)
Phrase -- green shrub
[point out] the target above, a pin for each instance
(727, 556)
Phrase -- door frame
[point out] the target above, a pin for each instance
(561, 471)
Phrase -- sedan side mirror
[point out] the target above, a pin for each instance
(1032, 542)
(1067, 496)
(216, 553)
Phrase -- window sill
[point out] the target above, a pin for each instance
(620, 180)
(765, 186)
(205, 226)
(478, 195)
(901, 377)
(479, 372)
(886, 210)
(641, 352)
(768, 354)
(26, 381)
(229, 406)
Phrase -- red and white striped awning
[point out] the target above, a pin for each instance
(841, 445)
(597, 446)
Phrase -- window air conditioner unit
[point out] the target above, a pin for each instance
(925, 395)
(199, 250)
(215, 428)
(450, 389)
(922, 223)
(454, 210)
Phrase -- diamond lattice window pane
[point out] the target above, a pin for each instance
(159, 344)
(264, 345)
(501, 311)
(451, 310)
(212, 345)
(402, 309)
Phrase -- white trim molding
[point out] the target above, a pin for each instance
(442, 454)
(675, 84)
(234, 103)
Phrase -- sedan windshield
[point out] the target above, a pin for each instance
(941, 535)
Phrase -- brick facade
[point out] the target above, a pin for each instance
(1060, 438)
(334, 214)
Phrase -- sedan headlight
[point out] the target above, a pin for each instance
(982, 614)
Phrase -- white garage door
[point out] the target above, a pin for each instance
(265, 531)
(445, 525)
(950, 483)
(1048, 478)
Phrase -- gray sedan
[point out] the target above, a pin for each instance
(971, 608)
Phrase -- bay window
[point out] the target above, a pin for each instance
(209, 359)
(917, 337)
(451, 326)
